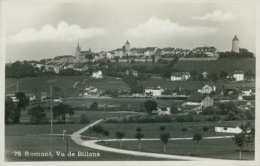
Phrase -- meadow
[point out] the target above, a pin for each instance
(223, 148)
(228, 65)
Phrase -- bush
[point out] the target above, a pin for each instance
(184, 118)
(84, 119)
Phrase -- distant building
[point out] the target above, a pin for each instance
(80, 56)
(134, 72)
(154, 91)
(210, 51)
(57, 69)
(162, 111)
(12, 96)
(245, 90)
(180, 76)
(43, 95)
(150, 51)
(237, 76)
(207, 89)
(228, 126)
(199, 99)
(235, 45)
(97, 74)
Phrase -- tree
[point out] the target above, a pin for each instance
(94, 106)
(132, 61)
(239, 141)
(174, 110)
(162, 128)
(138, 129)
(197, 137)
(139, 136)
(184, 129)
(84, 119)
(249, 139)
(62, 109)
(22, 103)
(106, 133)
(150, 106)
(208, 111)
(9, 109)
(164, 137)
(205, 129)
(37, 114)
(98, 129)
(120, 135)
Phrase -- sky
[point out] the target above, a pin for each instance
(39, 30)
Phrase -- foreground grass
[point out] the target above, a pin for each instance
(42, 144)
(210, 148)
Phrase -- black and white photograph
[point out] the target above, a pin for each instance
(149, 82)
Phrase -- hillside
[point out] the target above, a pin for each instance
(218, 65)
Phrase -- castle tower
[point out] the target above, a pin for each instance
(127, 47)
(235, 45)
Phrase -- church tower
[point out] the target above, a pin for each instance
(235, 45)
(127, 47)
(77, 54)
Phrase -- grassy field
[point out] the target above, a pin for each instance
(224, 148)
(64, 83)
(166, 83)
(151, 130)
(36, 138)
(103, 83)
(217, 66)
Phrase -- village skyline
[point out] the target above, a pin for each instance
(99, 26)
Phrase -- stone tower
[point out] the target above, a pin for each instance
(235, 45)
(78, 51)
(127, 47)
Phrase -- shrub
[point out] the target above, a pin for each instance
(84, 119)
(249, 115)
(184, 118)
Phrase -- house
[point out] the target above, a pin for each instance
(154, 91)
(150, 51)
(58, 99)
(31, 96)
(205, 49)
(97, 74)
(134, 72)
(245, 90)
(91, 94)
(207, 89)
(162, 111)
(192, 109)
(228, 126)
(205, 74)
(237, 76)
(12, 96)
(43, 95)
(199, 99)
(180, 76)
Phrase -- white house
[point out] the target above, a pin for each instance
(228, 127)
(162, 111)
(237, 75)
(97, 74)
(12, 96)
(245, 90)
(207, 89)
(180, 76)
(154, 91)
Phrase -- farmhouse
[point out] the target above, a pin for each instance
(91, 94)
(192, 108)
(237, 76)
(162, 111)
(180, 76)
(59, 99)
(245, 90)
(133, 72)
(154, 91)
(228, 127)
(207, 89)
(207, 50)
(97, 74)
(199, 99)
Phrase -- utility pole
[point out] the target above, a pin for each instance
(51, 124)
(17, 88)
(67, 117)
(74, 99)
